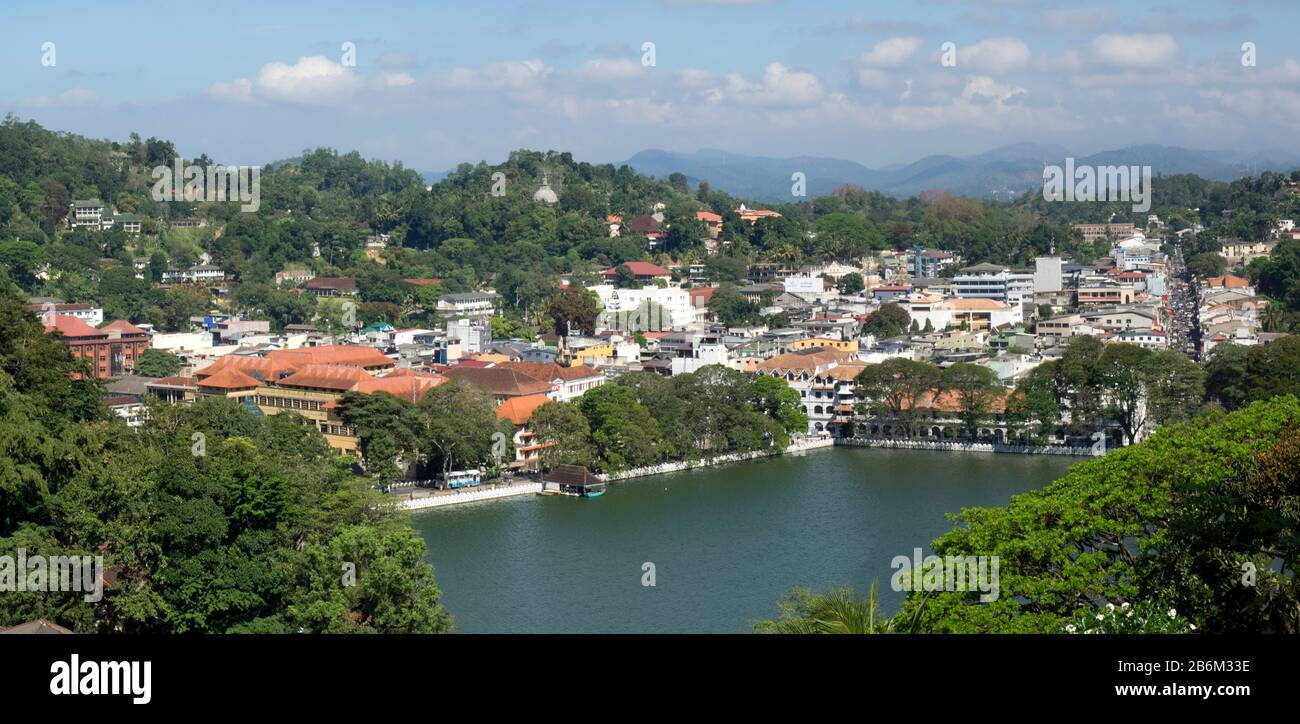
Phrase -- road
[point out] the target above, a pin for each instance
(1184, 303)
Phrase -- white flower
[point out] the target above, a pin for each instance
(1069, 628)
(1172, 613)
(1110, 607)
(1125, 607)
(1192, 625)
(1128, 615)
(1101, 617)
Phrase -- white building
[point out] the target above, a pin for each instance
(1047, 274)
(982, 281)
(648, 309)
(805, 286)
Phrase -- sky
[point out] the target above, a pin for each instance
(434, 84)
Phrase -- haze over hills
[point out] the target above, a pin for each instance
(1000, 173)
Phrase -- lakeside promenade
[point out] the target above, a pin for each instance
(425, 499)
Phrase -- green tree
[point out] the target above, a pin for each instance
(894, 388)
(157, 363)
(890, 320)
(563, 428)
(573, 309)
(851, 283)
(977, 389)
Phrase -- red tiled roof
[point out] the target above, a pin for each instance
(71, 327)
(499, 381)
(639, 268)
(708, 217)
(547, 371)
(123, 326)
(701, 296)
(332, 283)
(643, 224)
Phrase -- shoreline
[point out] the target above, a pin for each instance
(797, 447)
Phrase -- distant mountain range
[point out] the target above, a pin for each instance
(1001, 173)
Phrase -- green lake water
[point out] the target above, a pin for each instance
(725, 542)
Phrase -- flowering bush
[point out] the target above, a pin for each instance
(1143, 618)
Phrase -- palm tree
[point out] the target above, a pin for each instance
(838, 611)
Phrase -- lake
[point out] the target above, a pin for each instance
(726, 542)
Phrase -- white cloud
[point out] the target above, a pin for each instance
(873, 79)
(779, 86)
(1138, 50)
(994, 55)
(890, 53)
(239, 90)
(611, 69)
(694, 78)
(72, 98)
(313, 80)
(393, 80)
(507, 75)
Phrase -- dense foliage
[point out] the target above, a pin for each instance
(209, 519)
(645, 419)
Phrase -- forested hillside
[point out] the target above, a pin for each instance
(461, 233)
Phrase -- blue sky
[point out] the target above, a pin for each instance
(436, 83)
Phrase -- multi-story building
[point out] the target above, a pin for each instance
(1105, 294)
(824, 380)
(982, 281)
(111, 351)
(199, 273)
(88, 313)
(648, 309)
(86, 213)
(1047, 275)
(567, 383)
(928, 263)
(1093, 232)
(1119, 319)
(293, 277)
(482, 303)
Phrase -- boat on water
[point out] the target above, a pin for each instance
(572, 480)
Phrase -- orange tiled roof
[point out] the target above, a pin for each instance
(949, 401)
(518, 410)
(333, 354)
(974, 304)
(229, 378)
(708, 217)
(809, 359)
(329, 377)
(267, 369)
(409, 387)
(1228, 281)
